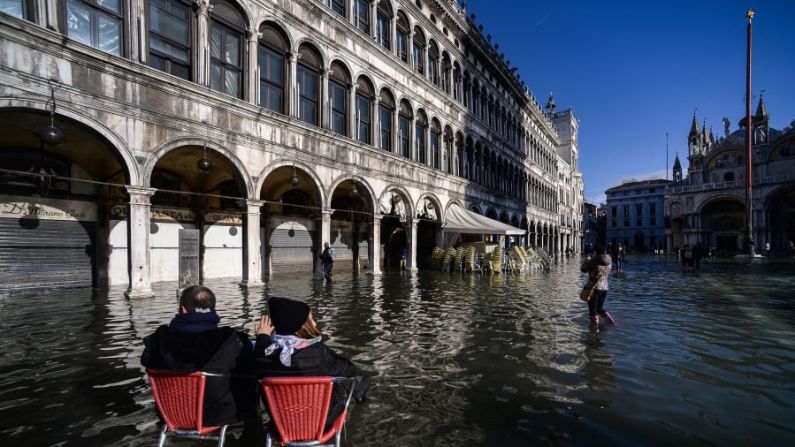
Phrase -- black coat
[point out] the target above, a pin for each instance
(222, 350)
(315, 360)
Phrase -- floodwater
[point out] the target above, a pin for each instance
(702, 359)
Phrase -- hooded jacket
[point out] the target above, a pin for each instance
(192, 343)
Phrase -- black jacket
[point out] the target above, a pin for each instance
(221, 350)
(315, 360)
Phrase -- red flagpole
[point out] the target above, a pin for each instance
(749, 217)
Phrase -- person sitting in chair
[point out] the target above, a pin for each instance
(289, 343)
(194, 342)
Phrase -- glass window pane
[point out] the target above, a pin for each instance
(109, 34)
(180, 70)
(232, 49)
(363, 108)
(178, 28)
(338, 123)
(275, 72)
(215, 76)
(338, 6)
(215, 42)
(12, 8)
(113, 5)
(78, 21)
(232, 82)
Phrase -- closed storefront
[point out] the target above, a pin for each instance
(291, 243)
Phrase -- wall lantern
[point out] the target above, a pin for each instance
(51, 134)
(204, 164)
(294, 180)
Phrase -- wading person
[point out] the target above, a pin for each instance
(193, 341)
(618, 257)
(327, 259)
(289, 343)
(598, 268)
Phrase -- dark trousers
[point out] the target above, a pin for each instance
(597, 302)
(327, 266)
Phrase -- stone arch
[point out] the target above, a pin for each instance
(358, 179)
(718, 198)
(436, 203)
(178, 142)
(267, 170)
(409, 203)
(268, 19)
(244, 9)
(313, 46)
(126, 159)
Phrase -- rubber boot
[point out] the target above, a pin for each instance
(594, 320)
(609, 318)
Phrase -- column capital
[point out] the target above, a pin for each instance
(140, 195)
(377, 217)
(326, 213)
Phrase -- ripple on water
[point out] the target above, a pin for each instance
(456, 360)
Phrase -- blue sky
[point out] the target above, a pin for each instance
(636, 70)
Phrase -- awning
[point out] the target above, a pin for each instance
(460, 220)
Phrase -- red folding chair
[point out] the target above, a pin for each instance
(180, 399)
(299, 407)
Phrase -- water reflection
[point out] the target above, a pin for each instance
(456, 360)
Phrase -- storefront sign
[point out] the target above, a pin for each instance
(119, 212)
(188, 258)
(17, 207)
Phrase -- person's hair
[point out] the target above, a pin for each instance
(600, 248)
(197, 299)
(308, 329)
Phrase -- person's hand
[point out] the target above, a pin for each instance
(265, 326)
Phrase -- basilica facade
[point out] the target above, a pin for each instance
(707, 205)
(272, 127)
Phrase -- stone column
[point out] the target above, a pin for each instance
(138, 222)
(353, 122)
(325, 104)
(396, 130)
(203, 43)
(411, 232)
(253, 67)
(292, 99)
(374, 246)
(375, 127)
(323, 236)
(373, 19)
(393, 34)
(410, 48)
(252, 253)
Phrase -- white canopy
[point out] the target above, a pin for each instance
(460, 220)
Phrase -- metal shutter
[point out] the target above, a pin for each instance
(46, 253)
(291, 244)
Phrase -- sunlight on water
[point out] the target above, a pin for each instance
(457, 360)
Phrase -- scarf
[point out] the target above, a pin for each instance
(288, 344)
(195, 322)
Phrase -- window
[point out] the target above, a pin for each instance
(614, 215)
(383, 21)
(170, 37)
(364, 100)
(433, 64)
(97, 23)
(436, 136)
(402, 37)
(226, 49)
(626, 215)
(338, 100)
(386, 108)
(363, 16)
(338, 6)
(404, 121)
(653, 214)
(420, 134)
(272, 69)
(308, 78)
(418, 52)
(639, 215)
(23, 9)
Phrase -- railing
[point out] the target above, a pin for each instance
(728, 185)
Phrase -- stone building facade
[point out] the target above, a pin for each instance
(635, 215)
(707, 205)
(271, 126)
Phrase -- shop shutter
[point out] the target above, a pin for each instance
(291, 245)
(41, 253)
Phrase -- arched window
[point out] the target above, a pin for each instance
(418, 52)
(339, 7)
(386, 109)
(420, 135)
(446, 73)
(468, 92)
(272, 52)
(483, 96)
(338, 83)
(226, 48)
(364, 110)
(383, 24)
(436, 141)
(433, 63)
(170, 27)
(456, 82)
(361, 15)
(476, 98)
(308, 75)
(402, 37)
(491, 118)
(98, 23)
(405, 115)
(458, 163)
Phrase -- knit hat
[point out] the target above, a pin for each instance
(287, 315)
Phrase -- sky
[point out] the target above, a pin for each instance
(634, 70)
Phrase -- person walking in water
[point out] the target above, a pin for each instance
(327, 258)
(598, 269)
(618, 257)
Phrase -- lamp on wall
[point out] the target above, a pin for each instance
(51, 134)
(355, 191)
(294, 180)
(204, 164)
